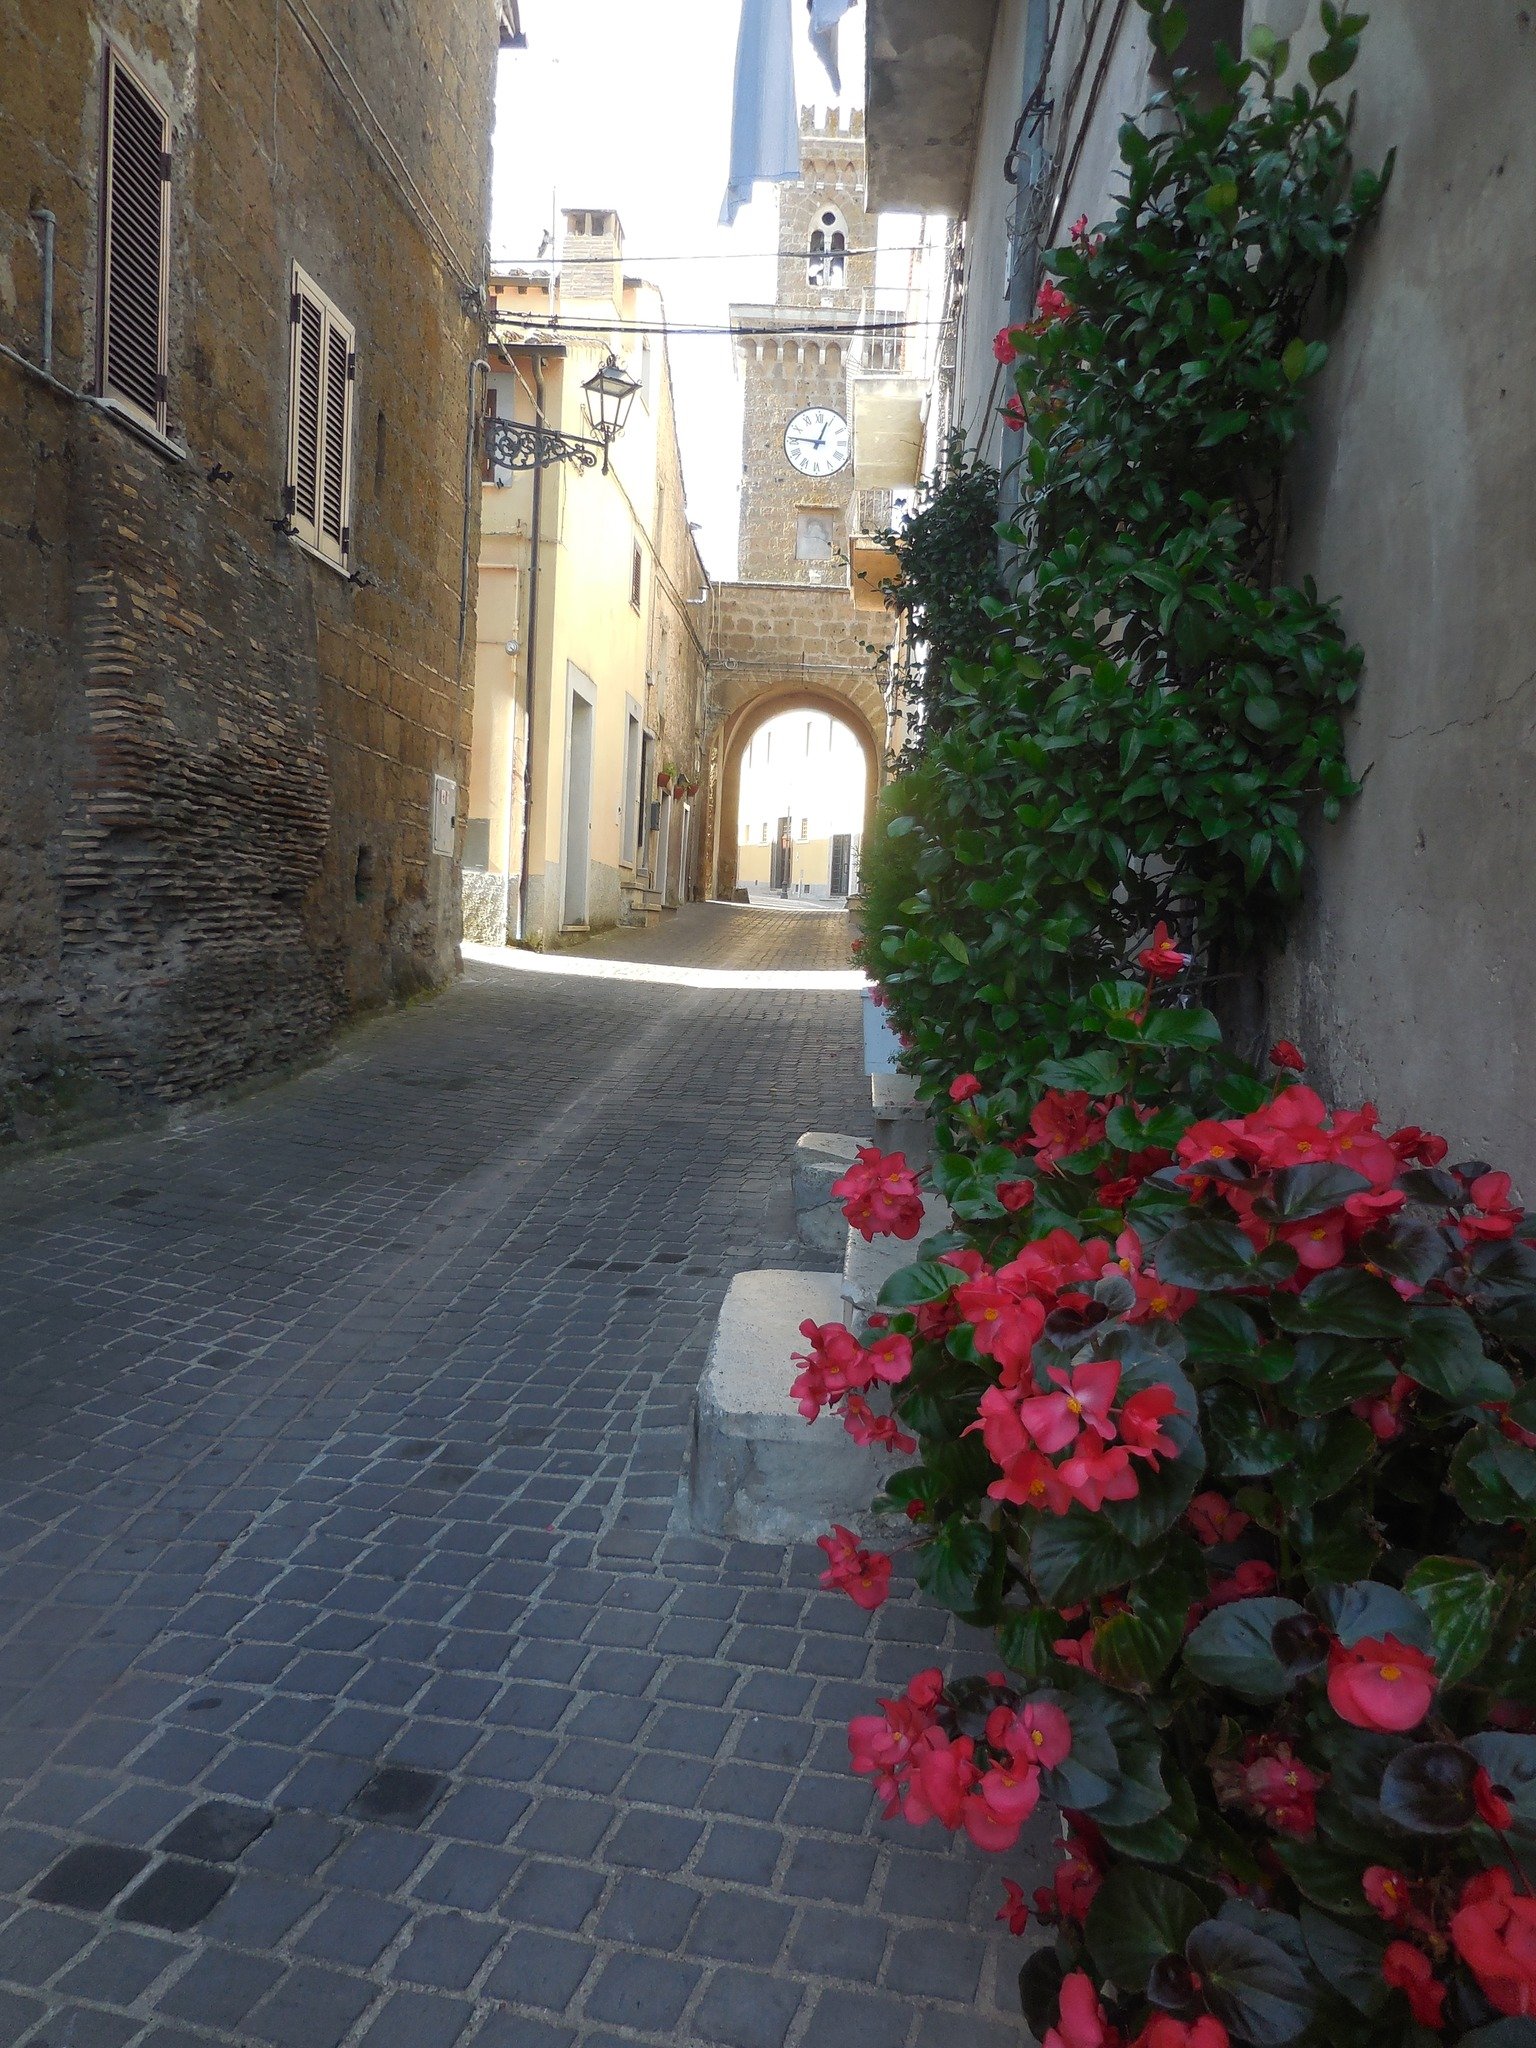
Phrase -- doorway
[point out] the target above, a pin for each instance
(581, 719)
(782, 872)
(842, 862)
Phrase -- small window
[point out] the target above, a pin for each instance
(813, 537)
(765, 835)
(805, 828)
(135, 247)
(826, 267)
(322, 377)
(636, 571)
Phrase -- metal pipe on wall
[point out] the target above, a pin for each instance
(531, 644)
(49, 227)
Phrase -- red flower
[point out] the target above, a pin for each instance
(1014, 1911)
(1013, 415)
(1162, 960)
(963, 1087)
(1167, 2032)
(1380, 1683)
(1015, 1194)
(880, 1195)
(1062, 1124)
(1051, 302)
(1252, 1579)
(1389, 1892)
(1076, 1650)
(1492, 1215)
(1003, 345)
(1141, 1421)
(1214, 1519)
(1271, 1781)
(1003, 1326)
(864, 1575)
(1318, 1241)
(1096, 1473)
(1285, 1055)
(834, 1364)
(1416, 1147)
(1384, 1411)
(1494, 1930)
(1039, 1733)
(1212, 1140)
(1492, 1806)
(1408, 1970)
(1080, 2022)
(1074, 1884)
(889, 1359)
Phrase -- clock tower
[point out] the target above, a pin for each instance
(797, 469)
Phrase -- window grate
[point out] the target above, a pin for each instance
(135, 249)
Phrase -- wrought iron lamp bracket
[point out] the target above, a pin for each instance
(514, 444)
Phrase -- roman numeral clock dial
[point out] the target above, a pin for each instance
(816, 441)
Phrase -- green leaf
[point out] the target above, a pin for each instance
(1327, 1452)
(1138, 1917)
(1136, 1647)
(1077, 1556)
(953, 1562)
(1233, 1647)
(1331, 1372)
(1181, 1027)
(1172, 26)
(1427, 1788)
(1325, 1877)
(927, 1280)
(1250, 1984)
(1367, 1607)
(1445, 1353)
(1205, 1254)
(1346, 1959)
(1298, 1192)
(1024, 1639)
(1461, 1601)
(1241, 1444)
(955, 947)
(1294, 361)
(1344, 1303)
(1494, 1480)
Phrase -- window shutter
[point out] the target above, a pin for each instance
(135, 246)
(322, 373)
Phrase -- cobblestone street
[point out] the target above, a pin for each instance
(360, 1682)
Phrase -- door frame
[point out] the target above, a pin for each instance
(577, 685)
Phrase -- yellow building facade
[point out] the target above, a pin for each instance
(591, 617)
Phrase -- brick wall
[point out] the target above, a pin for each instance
(216, 752)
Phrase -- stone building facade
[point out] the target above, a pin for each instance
(234, 528)
(1410, 976)
(591, 617)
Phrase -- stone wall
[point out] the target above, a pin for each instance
(217, 752)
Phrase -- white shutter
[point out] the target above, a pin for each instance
(135, 246)
(322, 371)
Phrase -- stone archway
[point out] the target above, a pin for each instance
(778, 647)
(734, 739)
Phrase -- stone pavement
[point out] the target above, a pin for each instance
(358, 1684)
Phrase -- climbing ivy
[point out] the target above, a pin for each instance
(1155, 713)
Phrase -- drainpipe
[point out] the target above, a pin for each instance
(471, 451)
(42, 215)
(531, 643)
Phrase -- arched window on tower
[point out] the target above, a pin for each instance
(826, 268)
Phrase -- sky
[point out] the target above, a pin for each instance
(629, 107)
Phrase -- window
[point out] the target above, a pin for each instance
(765, 835)
(826, 267)
(322, 375)
(805, 828)
(636, 572)
(813, 537)
(135, 246)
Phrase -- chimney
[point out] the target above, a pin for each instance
(592, 256)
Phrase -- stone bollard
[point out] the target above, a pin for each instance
(821, 1157)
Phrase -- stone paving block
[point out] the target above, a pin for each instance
(740, 1927)
(446, 1949)
(352, 1928)
(220, 1988)
(311, 2008)
(554, 1895)
(746, 2009)
(89, 1877)
(640, 1991)
(417, 2019)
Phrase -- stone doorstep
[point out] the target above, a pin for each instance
(821, 1157)
(867, 1267)
(759, 1471)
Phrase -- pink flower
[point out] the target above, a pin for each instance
(1167, 2032)
(1096, 1473)
(1388, 1891)
(1080, 2022)
(1074, 1884)
(1492, 1215)
(1015, 1194)
(889, 1359)
(1054, 1420)
(833, 1364)
(1384, 1412)
(1494, 1930)
(1043, 1733)
(1380, 1683)
(1062, 1124)
(963, 1087)
(1252, 1578)
(866, 1427)
(864, 1575)
(880, 1195)
(1004, 1326)
(1002, 345)
(1051, 302)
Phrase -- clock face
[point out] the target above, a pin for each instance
(816, 441)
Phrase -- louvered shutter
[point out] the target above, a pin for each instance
(322, 372)
(135, 246)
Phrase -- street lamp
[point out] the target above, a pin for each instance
(610, 394)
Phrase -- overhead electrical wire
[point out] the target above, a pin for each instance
(785, 331)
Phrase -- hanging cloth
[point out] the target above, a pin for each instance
(765, 117)
(825, 16)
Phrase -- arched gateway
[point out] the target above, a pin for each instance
(785, 647)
